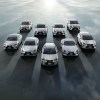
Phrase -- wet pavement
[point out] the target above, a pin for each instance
(75, 78)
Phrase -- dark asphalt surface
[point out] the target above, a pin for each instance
(75, 78)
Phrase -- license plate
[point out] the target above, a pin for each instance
(9, 47)
(28, 54)
(49, 63)
(71, 53)
(89, 47)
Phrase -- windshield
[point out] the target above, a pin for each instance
(87, 37)
(58, 26)
(25, 23)
(41, 26)
(69, 43)
(29, 43)
(49, 51)
(13, 38)
(73, 22)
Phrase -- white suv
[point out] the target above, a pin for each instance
(49, 55)
(40, 29)
(69, 47)
(13, 41)
(73, 25)
(86, 40)
(26, 26)
(30, 47)
(58, 29)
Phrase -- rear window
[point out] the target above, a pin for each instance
(41, 26)
(58, 26)
(49, 51)
(87, 37)
(29, 43)
(69, 43)
(12, 38)
(74, 22)
(25, 23)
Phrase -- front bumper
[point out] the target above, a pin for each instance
(59, 33)
(40, 32)
(75, 29)
(24, 29)
(28, 54)
(49, 63)
(70, 54)
(10, 47)
(89, 46)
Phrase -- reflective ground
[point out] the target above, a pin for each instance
(74, 78)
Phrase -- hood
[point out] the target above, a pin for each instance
(89, 41)
(29, 48)
(9, 43)
(75, 25)
(50, 57)
(70, 48)
(59, 29)
(41, 29)
(24, 25)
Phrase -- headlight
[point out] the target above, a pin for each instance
(43, 60)
(84, 44)
(44, 31)
(71, 27)
(55, 31)
(35, 50)
(76, 52)
(63, 31)
(94, 43)
(15, 45)
(22, 50)
(56, 59)
(5, 44)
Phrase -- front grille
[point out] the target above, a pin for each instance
(28, 53)
(71, 53)
(90, 46)
(9, 47)
(49, 62)
(75, 28)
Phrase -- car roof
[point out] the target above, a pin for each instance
(15, 34)
(31, 38)
(41, 24)
(58, 24)
(49, 45)
(73, 20)
(68, 39)
(26, 21)
(85, 33)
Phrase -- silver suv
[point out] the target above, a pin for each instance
(69, 47)
(73, 25)
(30, 47)
(49, 55)
(26, 26)
(13, 41)
(58, 30)
(86, 40)
(41, 29)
